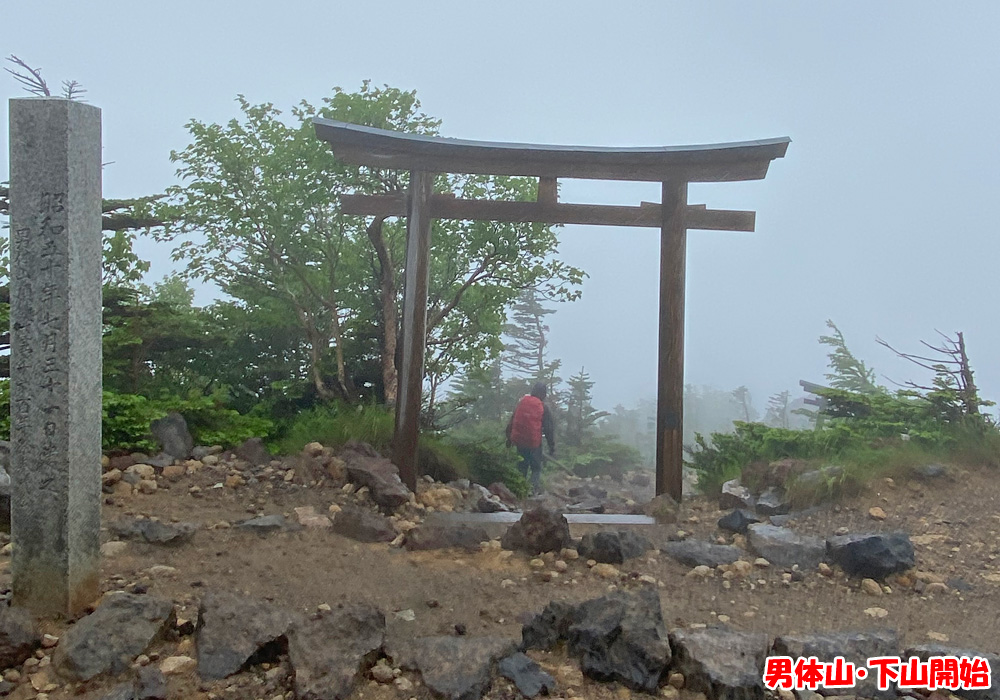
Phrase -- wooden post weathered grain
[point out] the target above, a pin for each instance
(411, 374)
(55, 393)
(670, 359)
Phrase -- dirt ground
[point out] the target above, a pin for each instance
(953, 521)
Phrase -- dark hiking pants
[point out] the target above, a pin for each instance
(531, 463)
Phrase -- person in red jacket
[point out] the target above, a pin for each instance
(532, 419)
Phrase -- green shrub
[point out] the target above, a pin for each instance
(490, 460)
(335, 423)
(440, 460)
(125, 422)
(604, 456)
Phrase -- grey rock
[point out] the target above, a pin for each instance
(785, 548)
(232, 629)
(925, 651)
(773, 502)
(151, 684)
(18, 636)
(723, 664)
(610, 547)
(588, 505)
(528, 676)
(153, 531)
(548, 627)
(931, 471)
(253, 451)
(172, 433)
(500, 490)
(855, 647)
(365, 467)
(453, 668)
(699, 553)
(332, 652)
(621, 637)
(538, 530)
(160, 460)
(122, 691)
(363, 525)
(873, 555)
(735, 495)
(491, 504)
(123, 626)
(738, 520)
(424, 537)
(264, 524)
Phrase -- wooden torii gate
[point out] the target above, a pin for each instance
(673, 166)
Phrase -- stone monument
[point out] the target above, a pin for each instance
(55, 390)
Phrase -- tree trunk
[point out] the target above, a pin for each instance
(390, 318)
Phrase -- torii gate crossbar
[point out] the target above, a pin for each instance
(673, 166)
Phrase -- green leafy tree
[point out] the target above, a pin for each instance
(258, 214)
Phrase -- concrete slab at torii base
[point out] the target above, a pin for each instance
(496, 523)
(55, 393)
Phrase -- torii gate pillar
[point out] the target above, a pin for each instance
(670, 355)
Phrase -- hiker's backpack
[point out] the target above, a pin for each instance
(526, 430)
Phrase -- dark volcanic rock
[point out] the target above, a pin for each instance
(735, 495)
(539, 530)
(363, 525)
(231, 629)
(172, 433)
(153, 531)
(18, 636)
(724, 665)
(613, 547)
(151, 684)
(264, 524)
(621, 637)
(738, 520)
(773, 502)
(332, 652)
(527, 675)
(547, 627)
(872, 555)
(491, 504)
(785, 548)
(588, 505)
(467, 537)
(500, 490)
(453, 668)
(254, 452)
(699, 553)
(925, 651)
(855, 647)
(366, 467)
(122, 627)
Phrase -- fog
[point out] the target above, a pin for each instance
(878, 217)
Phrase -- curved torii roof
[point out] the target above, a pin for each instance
(720, 162)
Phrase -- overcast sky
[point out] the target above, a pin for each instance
(881, 216)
